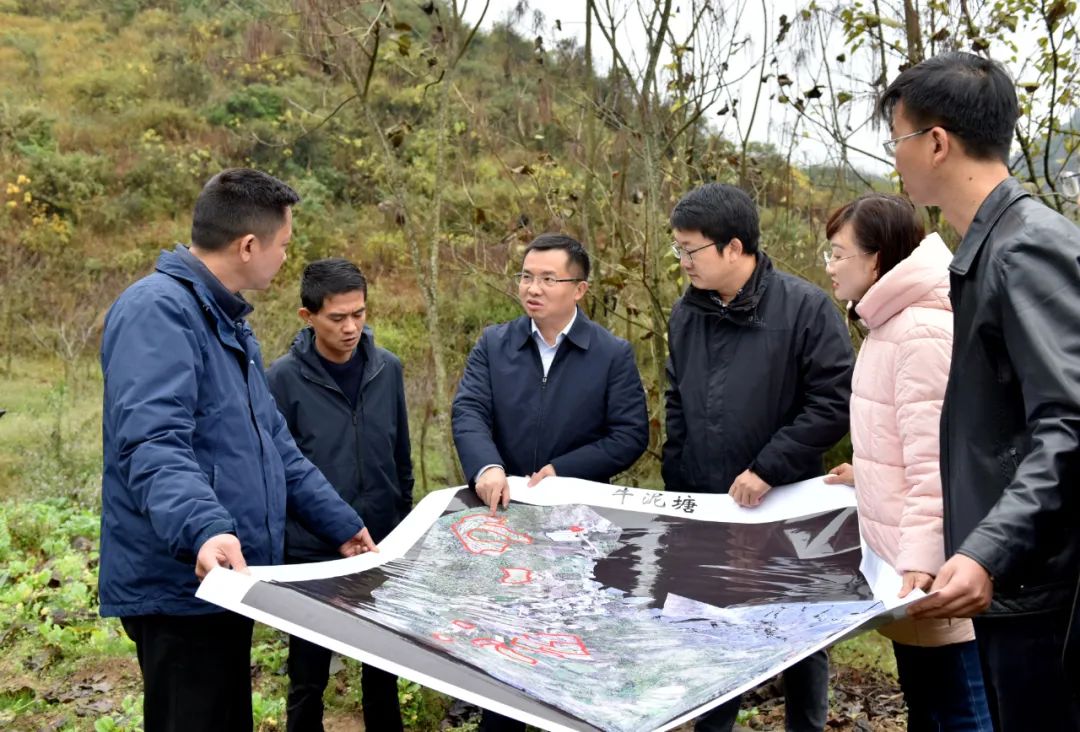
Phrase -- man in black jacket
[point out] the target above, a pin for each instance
(1010, 425)
(550, 393)
(759, 382)
(344, 401)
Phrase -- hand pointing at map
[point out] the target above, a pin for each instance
(493, 488)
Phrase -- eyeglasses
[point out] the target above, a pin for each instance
(890, 145)
(680, 252)
(830, 259)
(526, 279)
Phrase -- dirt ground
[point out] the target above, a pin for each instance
(861, 700)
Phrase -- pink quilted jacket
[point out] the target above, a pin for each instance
(897, 389)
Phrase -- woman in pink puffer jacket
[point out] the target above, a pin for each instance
(899, 289)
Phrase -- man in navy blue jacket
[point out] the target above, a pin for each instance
(199, 466)
(550, 393)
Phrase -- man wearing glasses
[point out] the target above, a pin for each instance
(1010, 423)
(550, 393)
(759, 382)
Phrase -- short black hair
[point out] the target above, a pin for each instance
(721, 213)
(238, 202)
(579, 258)
(970, 96)
(325, 278)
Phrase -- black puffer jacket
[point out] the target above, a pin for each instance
(1010, 426)
(364, 453)
(762, 383)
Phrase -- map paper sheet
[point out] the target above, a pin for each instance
(588, 606)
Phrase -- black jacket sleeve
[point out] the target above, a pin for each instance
(1040, 306)
(826, 361)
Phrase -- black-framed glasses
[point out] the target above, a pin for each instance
(525, 278)
(681, 252)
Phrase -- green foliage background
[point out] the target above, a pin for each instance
(428, 155)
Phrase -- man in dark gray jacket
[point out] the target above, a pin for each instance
(1010, 425)
(759, 383)
(343, 399)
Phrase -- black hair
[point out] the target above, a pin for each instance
(238, 202)
(325, 278)
(578, 257)
(721, 213)
(884, 224)
(970, 96)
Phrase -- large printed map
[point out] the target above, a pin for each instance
(600, 615)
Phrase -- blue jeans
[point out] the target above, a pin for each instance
(943, 688)
(806, 699)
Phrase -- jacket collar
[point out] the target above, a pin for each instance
(232, 304)
(303, 347)
(580, 333)
(920, 279)
(743, 309)
(1007, 192)
(230, 331)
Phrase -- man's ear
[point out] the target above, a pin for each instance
(735, 246)
(943, 144)
(305, 315)
(247, 244)
(580, 290)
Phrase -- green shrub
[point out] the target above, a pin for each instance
(170, 120)
(67, 182)
(256, 101)
(25, 126)
(109, 90)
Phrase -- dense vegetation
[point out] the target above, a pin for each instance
(429, 152)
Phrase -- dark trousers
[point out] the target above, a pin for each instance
(943, 688)
(309, 671)
(1026, 685)
(494, 722)
(806, 699)
(196, 671)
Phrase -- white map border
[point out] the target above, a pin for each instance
(227, 588)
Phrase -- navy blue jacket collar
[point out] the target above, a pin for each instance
(182, 264)
(580, 332)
